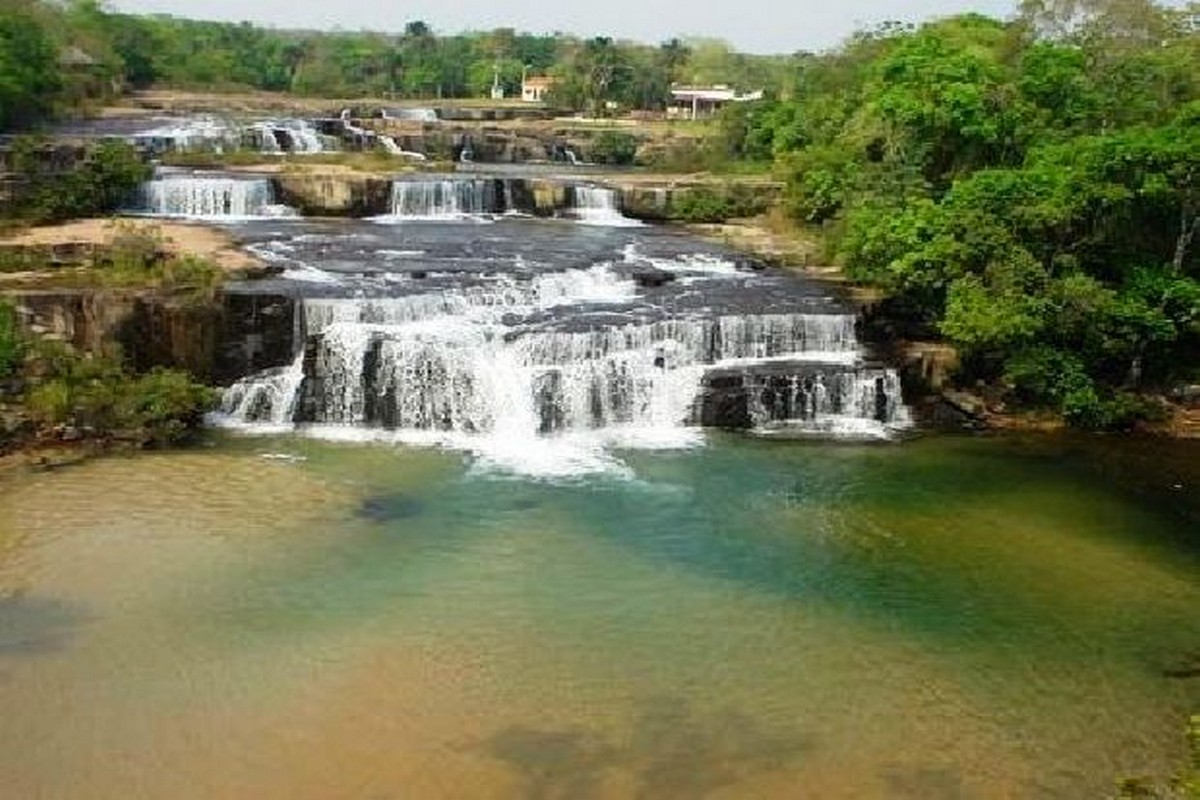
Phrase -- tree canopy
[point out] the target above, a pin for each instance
(1029, 188)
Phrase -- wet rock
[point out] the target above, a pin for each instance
(646, 275)
(652, 278)
(939, 413)
(966, 404)
(725, 403)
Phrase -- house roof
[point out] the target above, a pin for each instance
(714, 94)
(544, 81)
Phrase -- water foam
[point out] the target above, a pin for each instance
(469, 368)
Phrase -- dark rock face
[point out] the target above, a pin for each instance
(258, 332)
(783, 392)
(725, 403)
(216, 340)
(650, 278)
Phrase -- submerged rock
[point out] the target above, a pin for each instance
(390, 507)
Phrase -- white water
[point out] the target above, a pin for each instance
(411, 114)
(194, 134)
(195, 197)
(394, 149)
(458, 368)
(302, 137)
(445, 199)
(595, 205)
(210, 133)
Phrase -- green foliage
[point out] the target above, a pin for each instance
(136, 255)
(821, 180)
(54, 183)
(714, 204)
(12, 348)
(613, 147)
(29, 71)
(97, 396)
(141, 51)
(1029, 189)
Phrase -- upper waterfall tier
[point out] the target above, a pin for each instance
(457, 197)
(208, 197)
(444, 199)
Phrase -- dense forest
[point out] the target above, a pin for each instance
(1025, 189)
(1028, 190)
(69, 53)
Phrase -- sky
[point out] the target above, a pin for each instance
(756, 26)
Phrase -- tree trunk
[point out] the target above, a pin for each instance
(1187, 232)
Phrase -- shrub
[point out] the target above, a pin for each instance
(11, 347)
(614, 147)
(714, 204)
(98, 181)
(98, 396)
(167, 405)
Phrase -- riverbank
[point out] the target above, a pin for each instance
(106, 328)
(929, 366)
(175, 239)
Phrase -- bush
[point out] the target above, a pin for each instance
(167, 405)
(614, 147)
(714, 204)
(1043, 376)
(137, 255)
(11, 347)
(820, 182)
(98, 396)
(55, 185)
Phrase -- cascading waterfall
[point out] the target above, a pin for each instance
(494, 366)
(595, 205)
(207, 197)
(290, 135)
(443, 199)
(394, 149)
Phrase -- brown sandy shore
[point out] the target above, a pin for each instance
(179, 238)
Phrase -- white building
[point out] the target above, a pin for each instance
(534, 88)
(693, 102)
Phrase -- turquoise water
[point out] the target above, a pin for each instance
(945, 617)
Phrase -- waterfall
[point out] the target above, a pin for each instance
(411, 114)
(389, 144)
(443, 199)
(288, 136)
(594, 205)
(494, 367)
(186, 135)
(207, 197)
(306, 139)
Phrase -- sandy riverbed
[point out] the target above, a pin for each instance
(179, 238)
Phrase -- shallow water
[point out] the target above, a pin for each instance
(289, 618)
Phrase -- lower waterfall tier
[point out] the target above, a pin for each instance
(532, 337)
(439, 374)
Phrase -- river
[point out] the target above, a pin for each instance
(507, 585)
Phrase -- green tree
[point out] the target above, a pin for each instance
(29, 72)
